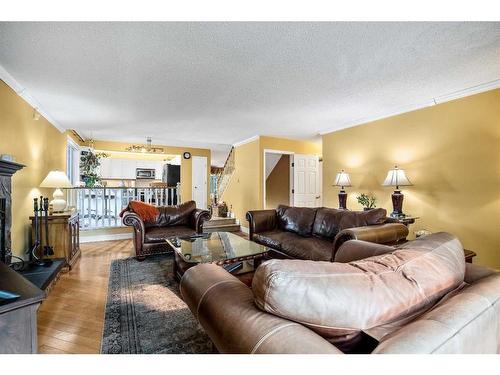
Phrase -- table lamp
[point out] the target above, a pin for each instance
(342, 180)
(397, 177)
(57, 180)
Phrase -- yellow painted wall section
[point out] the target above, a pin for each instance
(242, 193)
(450, 152)
(38, 145)
(186, 164)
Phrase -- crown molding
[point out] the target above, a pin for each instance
(245, 141)
(473, 90)
(23, 93)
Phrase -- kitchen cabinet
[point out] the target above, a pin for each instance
(125, 169)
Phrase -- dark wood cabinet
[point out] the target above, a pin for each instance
(64, 236)
(18, 329)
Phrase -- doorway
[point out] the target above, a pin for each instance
(199, 178)
(278, 179)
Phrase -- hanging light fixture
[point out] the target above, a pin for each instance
(148, 148)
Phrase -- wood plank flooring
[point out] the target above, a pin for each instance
(71, 319)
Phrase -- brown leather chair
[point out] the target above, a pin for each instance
(418, 298)
(317, 233)
(173, 221)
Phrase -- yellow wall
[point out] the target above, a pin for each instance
(186, 164)
(245, 191)
(36, 144)
(242, 193)
(451, 153)
(278, 184)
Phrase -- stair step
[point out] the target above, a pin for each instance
(222, 228)
(219, 221)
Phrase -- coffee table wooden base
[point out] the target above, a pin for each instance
(250, 263)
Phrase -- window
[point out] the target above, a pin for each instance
(73, 162)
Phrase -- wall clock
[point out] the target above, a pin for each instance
(187, 155)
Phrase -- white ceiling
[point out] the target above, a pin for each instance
(214, 84)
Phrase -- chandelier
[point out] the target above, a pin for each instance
(146, 148)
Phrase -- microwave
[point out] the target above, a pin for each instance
(144, 174)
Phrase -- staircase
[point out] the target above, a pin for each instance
(225, 176)
(221, 224)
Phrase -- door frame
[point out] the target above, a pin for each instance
(205, 190)
(290, 174)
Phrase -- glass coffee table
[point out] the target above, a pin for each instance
(236, 254)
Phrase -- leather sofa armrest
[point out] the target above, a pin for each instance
(131, 219)
(224, 307)
(353, 250)
(383, 234)
(198, 217)
(260, 221)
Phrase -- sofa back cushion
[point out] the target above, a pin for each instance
(330, 221)
(175, 215)
(298, 220)
(340, 300)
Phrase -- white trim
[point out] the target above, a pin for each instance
(244, 229)
(106, 237)
(270, 151)
(245, 141)
(23, 93)
(413, 107)
(73, 143)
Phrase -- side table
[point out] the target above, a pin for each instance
(64, 236)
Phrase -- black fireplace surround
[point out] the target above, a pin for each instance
(7, 169)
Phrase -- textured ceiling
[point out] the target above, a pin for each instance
(214, 84)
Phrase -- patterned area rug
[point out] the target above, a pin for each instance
(144, 311)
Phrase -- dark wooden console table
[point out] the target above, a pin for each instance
(18, 329)
(64, 236)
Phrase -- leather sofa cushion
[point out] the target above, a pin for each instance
(330, 221)
(296, 219)
(174, 215)
(340, 300)
(295, 246)
(160, 234)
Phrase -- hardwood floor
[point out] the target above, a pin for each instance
(71, 319)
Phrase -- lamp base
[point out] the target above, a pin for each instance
(397, 204)
(342, 200)
(58, 203)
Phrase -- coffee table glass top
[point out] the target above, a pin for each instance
(215, 247)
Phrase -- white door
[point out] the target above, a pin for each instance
(306, 188)
(199, 170)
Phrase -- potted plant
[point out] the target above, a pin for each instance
(89, 163)
(367, 201)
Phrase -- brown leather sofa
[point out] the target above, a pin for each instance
(317, 233)
(417, 298)
(173, 221)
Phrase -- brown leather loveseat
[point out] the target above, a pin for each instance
(316, 233)
(173, 221)
(418, 298)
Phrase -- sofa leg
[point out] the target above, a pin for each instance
(140, 258)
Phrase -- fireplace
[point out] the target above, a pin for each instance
(7, 169)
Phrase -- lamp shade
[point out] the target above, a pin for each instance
(56, 179)
(342, 179)
(396, 177)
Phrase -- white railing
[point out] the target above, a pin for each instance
(100, 207)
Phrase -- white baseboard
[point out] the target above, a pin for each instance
(106, 237)
(244, 229)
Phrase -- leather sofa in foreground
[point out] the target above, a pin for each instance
(173, 221)
(317, 233)
(420, 297)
